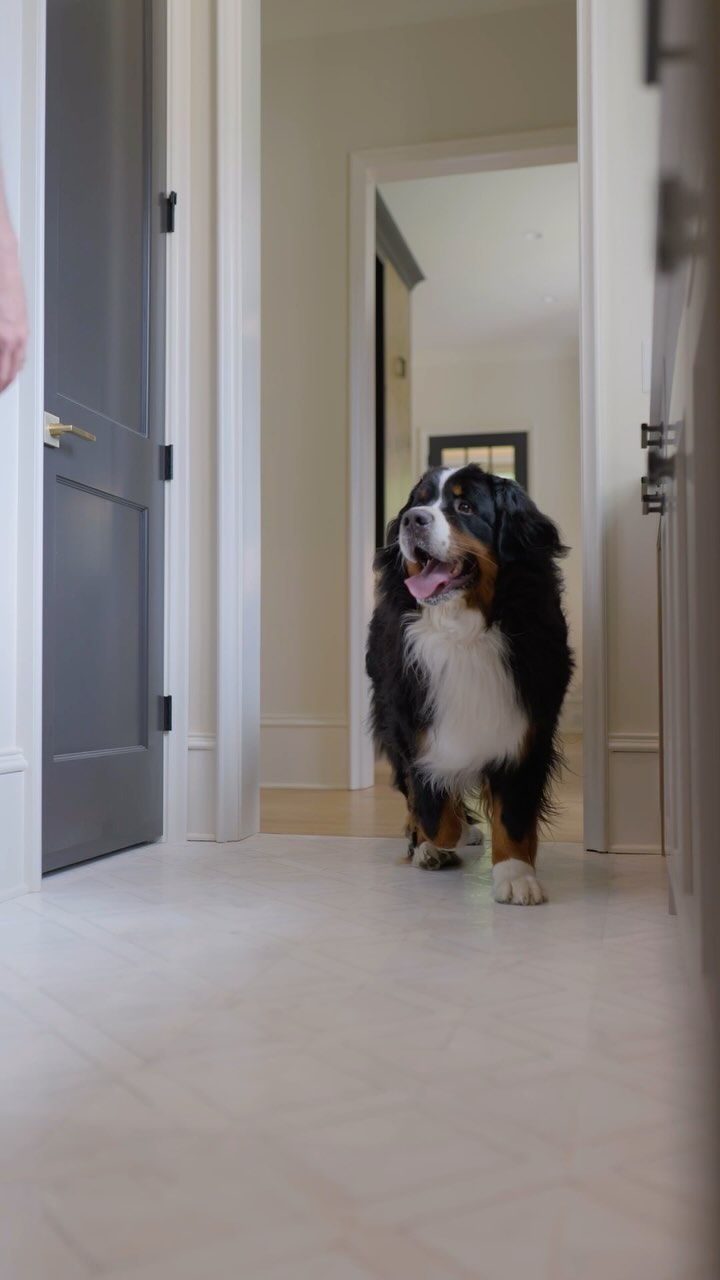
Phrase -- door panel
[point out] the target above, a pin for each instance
(104, 373)
(684, 462)
(98, 143)
(91, 712)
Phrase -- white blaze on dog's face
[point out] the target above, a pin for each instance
(444, 536)
(426, 527)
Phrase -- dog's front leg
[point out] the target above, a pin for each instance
(514, 849)
(436, 823)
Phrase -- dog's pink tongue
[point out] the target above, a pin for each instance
(430, 579)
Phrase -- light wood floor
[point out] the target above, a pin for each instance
(380, 811)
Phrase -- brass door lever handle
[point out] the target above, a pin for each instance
(64, 429)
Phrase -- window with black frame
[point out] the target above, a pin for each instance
(502, 453)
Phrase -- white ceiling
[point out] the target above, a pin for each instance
(295, 19)
(488, 284)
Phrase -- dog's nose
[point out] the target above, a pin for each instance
(417, 518)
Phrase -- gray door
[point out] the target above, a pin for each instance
(104, 375)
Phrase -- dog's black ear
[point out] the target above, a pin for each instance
(392, 533)
(524, 533)
(388, 556)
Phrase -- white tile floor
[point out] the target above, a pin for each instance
(299, 1059)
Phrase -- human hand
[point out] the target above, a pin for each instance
(14, 330)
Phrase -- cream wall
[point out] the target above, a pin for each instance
(539, 394)
(626, 163)
(324, 98)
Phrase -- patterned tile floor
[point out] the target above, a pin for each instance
(299, 1059)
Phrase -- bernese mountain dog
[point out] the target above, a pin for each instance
(469, 662)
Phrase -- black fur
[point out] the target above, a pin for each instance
(526, 607)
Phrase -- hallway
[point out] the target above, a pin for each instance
(380, 811)
(295, 1059)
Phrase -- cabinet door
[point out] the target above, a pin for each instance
(686, 465)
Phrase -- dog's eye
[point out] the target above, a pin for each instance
(462, 507)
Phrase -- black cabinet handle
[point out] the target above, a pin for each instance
(653, 500)
(651, 437)
(681, 229)
(652, 42)
(655, 54)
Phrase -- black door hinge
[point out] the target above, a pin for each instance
(167, 714)
(167, 462)
(170, 204)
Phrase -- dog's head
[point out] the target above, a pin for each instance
(457, 530)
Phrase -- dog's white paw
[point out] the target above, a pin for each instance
(515, 882)
(472, 835)
(428, 858)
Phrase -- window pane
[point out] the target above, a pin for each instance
(453, 457)
(505, 473)
(481, 455)
(503, 455)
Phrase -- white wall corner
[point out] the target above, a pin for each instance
(22, 115)
(202, 787)
(595, 691)
(238, 446)
(634, 772)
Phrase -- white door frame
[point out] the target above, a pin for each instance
(22, 120)
(238, 428)
(367, 169)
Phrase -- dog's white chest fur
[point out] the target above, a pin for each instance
(476, 716)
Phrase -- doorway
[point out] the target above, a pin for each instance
(492, 375)
(104, 710)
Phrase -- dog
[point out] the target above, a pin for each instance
(469, 663)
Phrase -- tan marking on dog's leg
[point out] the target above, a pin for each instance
(436, 852)
(514, 879)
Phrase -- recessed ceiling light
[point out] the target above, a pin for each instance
(533, 235)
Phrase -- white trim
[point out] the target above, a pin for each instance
(595, 696)
(470, 155)
(30, 453)
(361, 480)
(17, 891)
(367, 169)
(631, 849)
(177, 419)
(238, 445)
(12, 762)
(300, 786)
(200, 802)
(634, 742)
(271, 721)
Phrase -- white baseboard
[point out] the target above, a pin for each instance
(297, 752)
(12, 762)
(201, 786)
(633, 742)
(635, 848)
(571, 718)
(304, 752)
(298, 786)
(17, 891)
(634, 793)
(13, 872)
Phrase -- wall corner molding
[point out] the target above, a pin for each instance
(12, 761)
(237, 799)
(391, 245)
